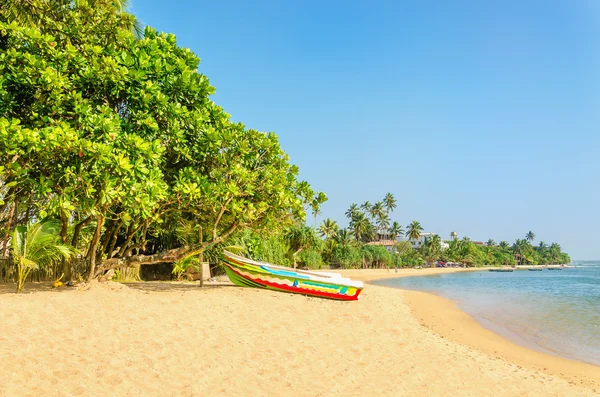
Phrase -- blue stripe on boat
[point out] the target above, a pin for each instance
(284, 273)
(344, 290)
(322, 285)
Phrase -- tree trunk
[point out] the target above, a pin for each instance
(296, 253)
(94, 246)
(201, 257)
(8, 227)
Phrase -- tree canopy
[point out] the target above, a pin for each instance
(115, 135)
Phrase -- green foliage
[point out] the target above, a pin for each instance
(181, 266)
(116, 133)
(310, 259)
(36, 245)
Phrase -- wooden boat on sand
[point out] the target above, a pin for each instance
(249, 273)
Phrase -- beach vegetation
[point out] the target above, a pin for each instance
(36, 245)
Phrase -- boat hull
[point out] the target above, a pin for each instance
(246, 273)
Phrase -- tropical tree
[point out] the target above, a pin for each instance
(413, 230)
(316, 203)
(395, 230)
(361, 226)
(503, 245)
(300, 238)
(118, 139)
(383, 223)
(352, 211)
(490, 243)
(366, 206)
(431, 248)
(389, 202)
(36, 245)
(377, 211)
(328, 228)
(344, 237)
(530, 236)
(542, 247)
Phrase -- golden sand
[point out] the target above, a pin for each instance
(161, 339)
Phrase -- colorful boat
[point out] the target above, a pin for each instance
(249, 273)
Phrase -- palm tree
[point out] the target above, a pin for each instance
(384, 223)
(299, 238)
(344, 237)
(413, 230)
(316, 203)
(328, 228)
(395, 230)
(352, 211)
(366, 206)
(361, 225)
(377, 210)
(555, 252)
(530, 236)
(490, 243)
(431, 248)
(37, 245)
(503, 245)
(389, 202)
(542, 246)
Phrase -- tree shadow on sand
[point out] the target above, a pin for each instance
(166, 286)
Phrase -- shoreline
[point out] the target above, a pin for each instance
(442, 316)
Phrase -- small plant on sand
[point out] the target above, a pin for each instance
(181, 266)
(36, 245)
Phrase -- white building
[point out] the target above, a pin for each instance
(417, 243)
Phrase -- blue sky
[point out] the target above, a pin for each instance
(479, 116)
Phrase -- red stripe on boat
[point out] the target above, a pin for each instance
(299, 290)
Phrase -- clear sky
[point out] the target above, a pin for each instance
(481, 117)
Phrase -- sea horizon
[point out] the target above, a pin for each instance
(555, 312)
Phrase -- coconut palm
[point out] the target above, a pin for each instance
(361, 226)
(344, 237)
(377, 210)
(530, 236)
(352, 211)
(316, 203)
(542, 246)
(37, 245)
(395, 230)
(389, 202)
(520, 246)
(490, 243)
(383, 222)
(503, 245)
(413, 230)
(328, 228)
(366, 206)
(431, 248)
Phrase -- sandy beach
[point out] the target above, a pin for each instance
(175, 339)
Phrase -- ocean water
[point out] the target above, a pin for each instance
(557, 312)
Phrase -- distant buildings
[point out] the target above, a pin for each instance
(415, 243)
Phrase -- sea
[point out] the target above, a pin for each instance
(553, 311)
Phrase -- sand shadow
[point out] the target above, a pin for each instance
(170, 286)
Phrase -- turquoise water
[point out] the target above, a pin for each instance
(557, 312)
